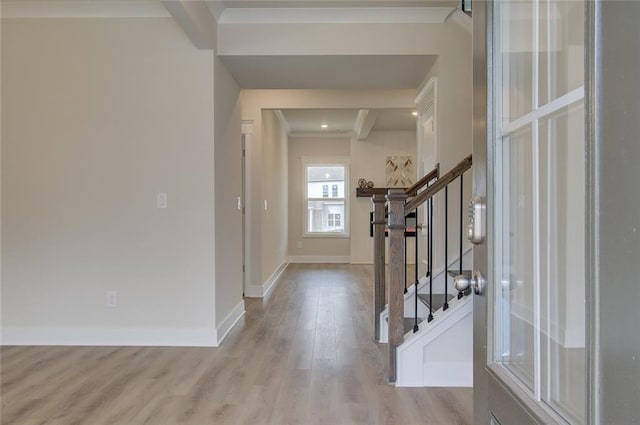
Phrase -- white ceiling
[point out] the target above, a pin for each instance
(329, 72)
(345, 121)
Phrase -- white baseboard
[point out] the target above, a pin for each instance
(319, 259)
(273, 280)
(261, 291)
(160, 337)
(229, 322)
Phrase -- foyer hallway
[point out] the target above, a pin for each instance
(304, 355)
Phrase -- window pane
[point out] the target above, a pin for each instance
(516, 20)
(514, 303)
(325, 216)
(561, 38)
(562, 223)
(319, 178)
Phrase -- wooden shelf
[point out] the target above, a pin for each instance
(368, 193)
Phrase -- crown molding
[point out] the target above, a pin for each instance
(336, 15)
(83, 9)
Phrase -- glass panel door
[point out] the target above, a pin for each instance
(538, 187)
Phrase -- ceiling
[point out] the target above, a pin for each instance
(347, 121)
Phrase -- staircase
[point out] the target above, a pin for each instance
(428, 323)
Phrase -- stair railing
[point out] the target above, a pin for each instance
(380, 214)
(399, 207)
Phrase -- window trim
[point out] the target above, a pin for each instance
(340, 161)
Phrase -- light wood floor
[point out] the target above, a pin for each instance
(305, 356)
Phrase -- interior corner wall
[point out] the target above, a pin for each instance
(98, 116)
(275, 177)
(368, 158)
(228, 188)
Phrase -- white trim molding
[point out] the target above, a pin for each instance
(283, 121)
(320, 259)
(230, 321)
(160, 337)
(261, 291)
(462, 19)
(335, 15)
(83, 9)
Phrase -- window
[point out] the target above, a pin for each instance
(325, 215)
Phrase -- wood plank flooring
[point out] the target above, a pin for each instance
(304, 355)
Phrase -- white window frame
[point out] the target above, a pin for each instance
(326, 162)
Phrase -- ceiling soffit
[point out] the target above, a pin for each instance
(335, 15)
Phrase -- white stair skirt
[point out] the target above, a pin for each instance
(423, 288)
(440, 354)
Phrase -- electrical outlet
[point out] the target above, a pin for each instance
(112, 299)
(161, 200)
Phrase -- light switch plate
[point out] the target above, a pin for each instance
(161, 200)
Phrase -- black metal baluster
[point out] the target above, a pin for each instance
(415, 285)
(460, 293)
(446, 248)
(430, 318)
(405, 255)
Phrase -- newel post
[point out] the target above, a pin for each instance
(397, 199)
(379, 261)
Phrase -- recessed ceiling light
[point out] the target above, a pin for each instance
(324, 125)
(414, 113)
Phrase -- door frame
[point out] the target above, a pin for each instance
(482, 52)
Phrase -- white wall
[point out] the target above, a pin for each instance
(228, 187)
(312, 246)
(368, 161)
(332, 39)
(99, 115)
(275, 176)
(453, 71)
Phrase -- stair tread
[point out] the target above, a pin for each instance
(408, 323)
(438, 300)
(456, 272)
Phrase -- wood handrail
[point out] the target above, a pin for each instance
(431, 175)
(442, 182)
